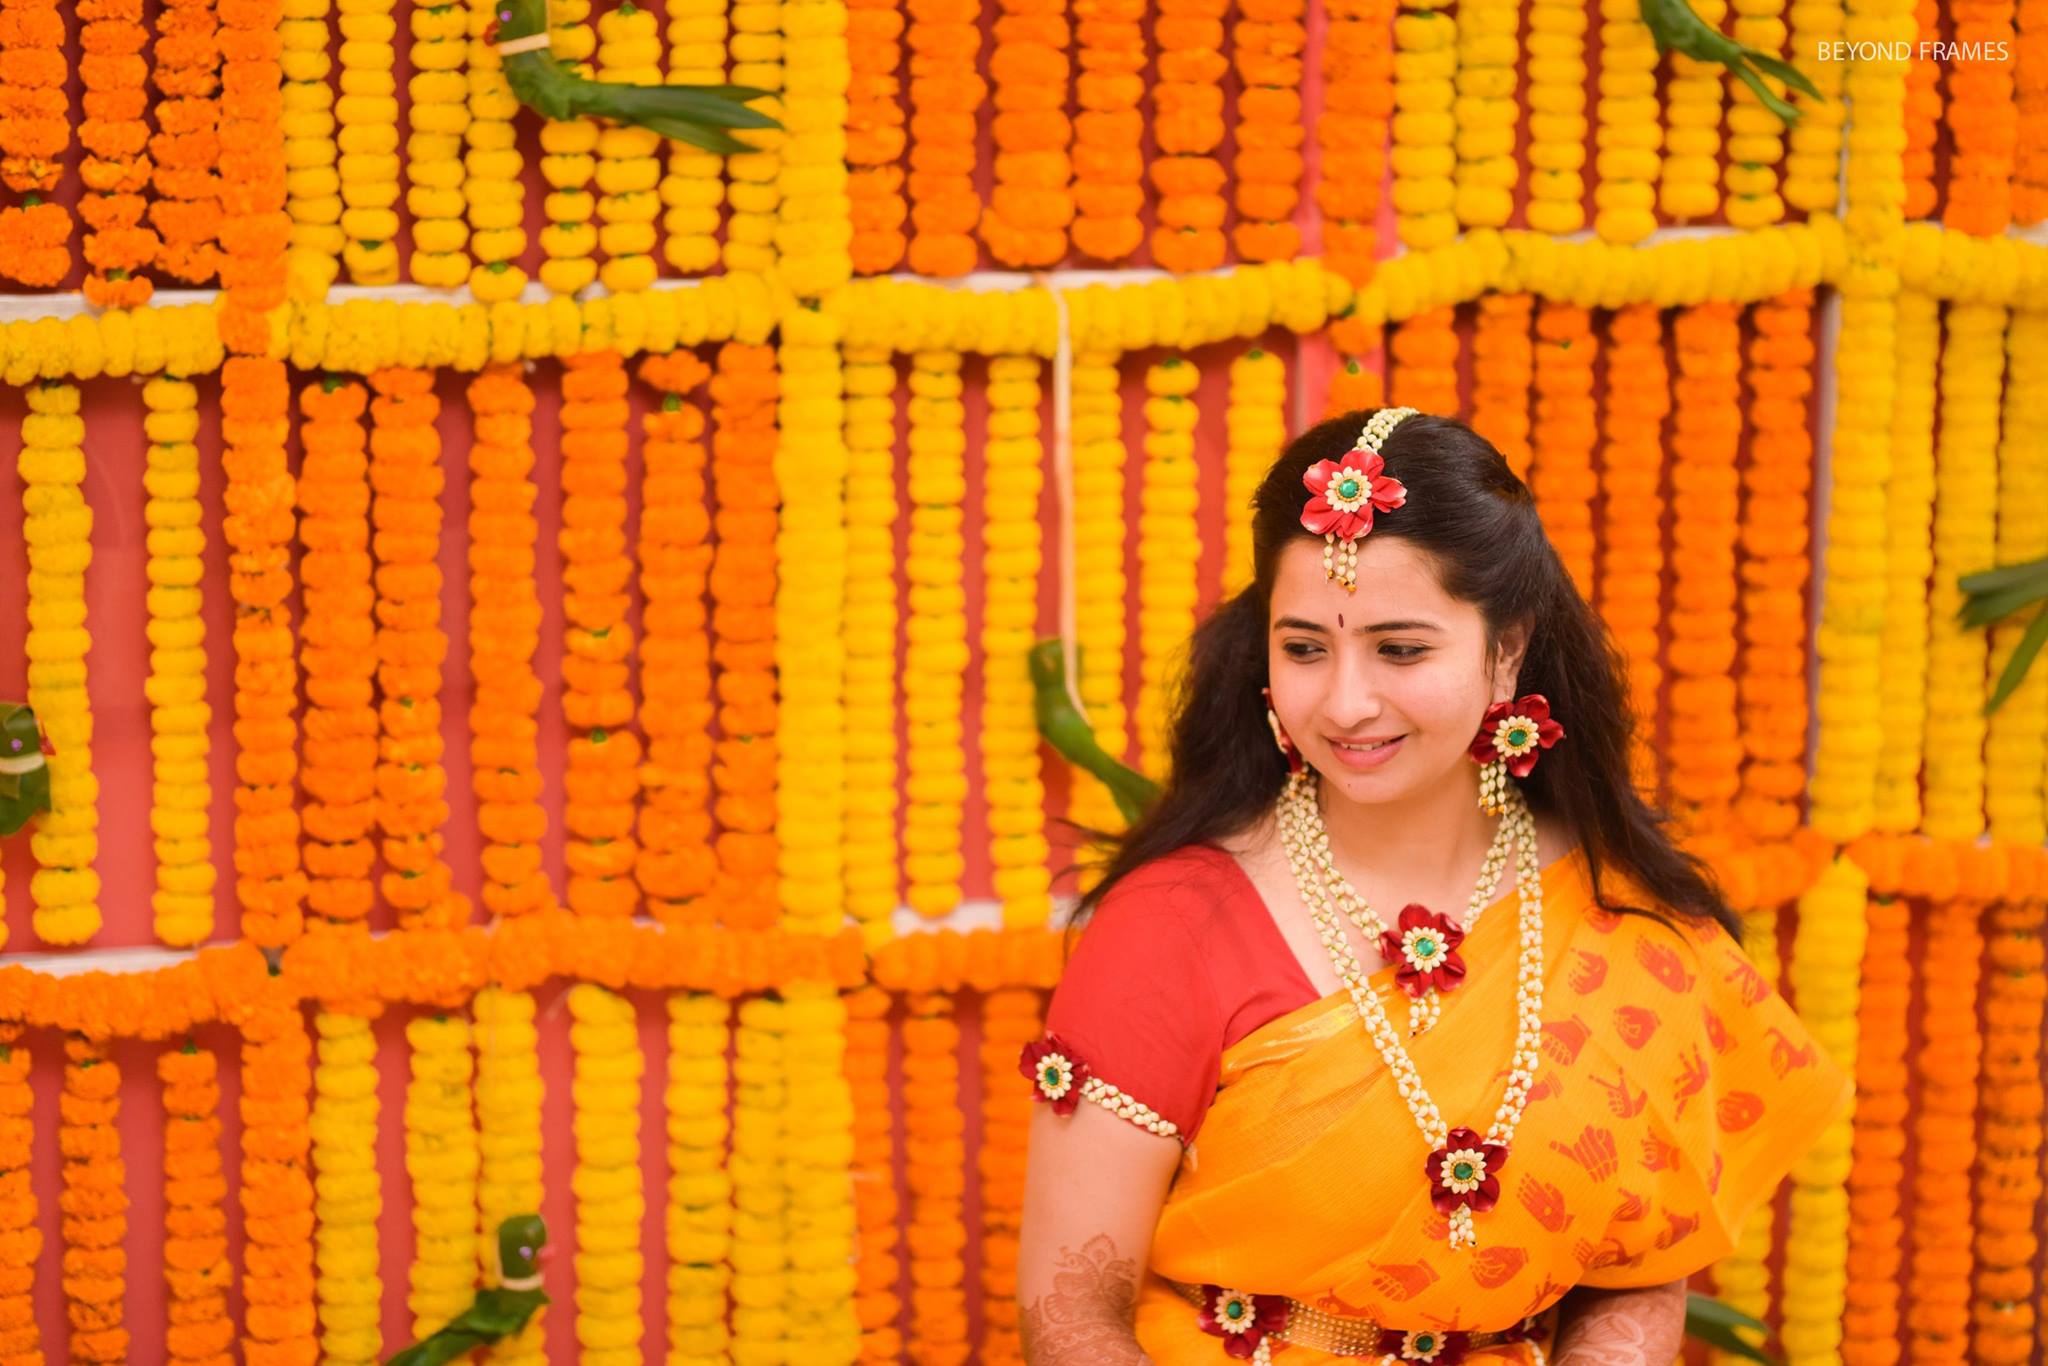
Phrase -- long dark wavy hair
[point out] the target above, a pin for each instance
(1476, 521)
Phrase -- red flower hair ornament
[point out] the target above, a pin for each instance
(1346, 493)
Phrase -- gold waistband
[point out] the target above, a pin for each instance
(1345, 1334)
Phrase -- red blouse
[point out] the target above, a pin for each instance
(1179, 961)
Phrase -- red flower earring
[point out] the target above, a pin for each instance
(1294, 761)
(1509, 741)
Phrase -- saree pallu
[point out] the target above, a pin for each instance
(1676, 1089)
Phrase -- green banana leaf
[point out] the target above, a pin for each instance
(1997, 593)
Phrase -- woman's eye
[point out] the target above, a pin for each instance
(1299, 649)
(1404, 651)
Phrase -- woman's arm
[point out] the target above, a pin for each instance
(1641, 1327)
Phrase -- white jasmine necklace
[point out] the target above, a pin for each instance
(1463, 1167)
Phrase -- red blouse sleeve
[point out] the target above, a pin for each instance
(1133, 1024)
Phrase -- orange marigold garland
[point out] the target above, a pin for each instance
(1010, 1019)
(2009, 1134)
(1566, 428)
(936, 1178)
(1982, 117)
(277, 1189)
(1354, 387)
(504, 635)
(1503, 374)
(35, 134)
(1109, 166)
(1877, 1178)
(1922, 114)
(2030, 159)
(875, 1201)
(743, 568)
(412, 784)
(1631, 541)
(339, 653)
(875, 136)
(1031, 203)
(1187, 127)
(1268, 39)
(1777, 486)
(946, 90)
(1351, 135)
(604, 754)
(95, 1205)
(197, 1272)
(115, 170)
(21, 1237)
(185, 68)
(1424, 353)
(676, 866)
(1705, 769)
(1946, 1066)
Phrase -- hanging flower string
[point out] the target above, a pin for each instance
(94, 1202)
(701, 1214)
(119, 246)
(196, 1270)
(509, 1099)
(35, 135)
(347, 1289)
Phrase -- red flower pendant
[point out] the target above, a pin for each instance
(1424, 946)
(1058, 1071)
(1241, 1320)
(1440, 1348)
(1515, 732)
(1465, 1172)
(1347, 493)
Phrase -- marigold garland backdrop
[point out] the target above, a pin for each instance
(569, 595)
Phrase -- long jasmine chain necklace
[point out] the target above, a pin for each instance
(1463, 1168)
(1425, 945)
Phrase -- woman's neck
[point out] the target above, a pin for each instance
(1428, 839)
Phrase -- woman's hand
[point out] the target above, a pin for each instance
(1642, 1327)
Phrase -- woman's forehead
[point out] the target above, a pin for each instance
(1392, 575)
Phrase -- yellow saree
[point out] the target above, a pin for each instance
(1675, 1091)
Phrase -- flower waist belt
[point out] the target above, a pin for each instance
(1245, 1323)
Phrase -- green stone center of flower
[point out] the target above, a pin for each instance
(1425, 947)
(1052, 1076)
(1424, 1342)
(1462, 1171)
(1235, 1309)
(1518, 736)
(1347, 488)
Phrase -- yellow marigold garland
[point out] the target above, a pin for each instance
(1557, 113)
(814, 227)
(818, 1157)
(1425, 59)
(179, 714)
(493, 192)
(509, 1093)
(1946, 1066)
(628, 164)
(602, 780)
(57, 525)
(340, 653)
(1010, 1019)
(195, 1265)
(437, 117)
(1777, 485)
(1255, 430)
(1909, 498)
(1563, 432)
(1503, 375)
(2016, 735)
(1742, 1279)
(21, 1236)
(700, 1183)
(504, 636)
(1109, 191)
(752, 178)
(2008, 1174)
(1487, 112)
(1877, 1176)
(347, 1190)
(1756, 136)
(368, 141)
(810, 627)
(185, 71)
(1423, 356)
(872, 856)
(441, 1158)
(568, 162)
(936, 660)
(95, 1205)
(676, 863)
(1827, 958)
(609, 1203)
(1707, 403)
(1013, 481)
(936, 1179)
(763, 1119)
(1101, 624)
(412, 782)
(875, 1199)
(1922, 113)
(1629, 127)
(1269, 37)
(1631, 540)
(1965, 541)
(743, 575)
(693, 185)
(1030, 204)
(1169, 548)
(1692, 120)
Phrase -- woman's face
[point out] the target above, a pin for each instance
(1406, 664)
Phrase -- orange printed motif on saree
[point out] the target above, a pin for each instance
(1676, 1089)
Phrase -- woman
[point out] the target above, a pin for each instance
(1401, 1029)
